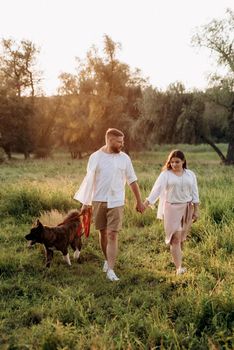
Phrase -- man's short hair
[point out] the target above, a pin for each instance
(114, 132)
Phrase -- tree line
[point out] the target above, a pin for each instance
(105, 92)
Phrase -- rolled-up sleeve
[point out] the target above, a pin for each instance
(195, 193)
(130, 173)
(158, 188)
(85, 191)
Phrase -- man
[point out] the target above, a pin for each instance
(104, 187)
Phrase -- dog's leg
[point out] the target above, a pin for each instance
(67, 259)
(30, 244)
(79, 243)
(76, 246)
(49, 256)
(76, 254)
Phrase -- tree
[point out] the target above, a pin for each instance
(69, 84)
(115, 88)
(159, 115)
(148, 129)
(18, 87)
(190, 124)
(106, 94)
(47, 110)
(15, 124)
(72, 128)
(7, 122)
(17, 66)
(215, 117)
(217, 36)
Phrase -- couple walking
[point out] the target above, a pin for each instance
(104, 188)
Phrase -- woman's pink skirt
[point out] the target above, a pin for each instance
(177, 217)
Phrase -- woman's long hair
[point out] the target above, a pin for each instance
(176, 153)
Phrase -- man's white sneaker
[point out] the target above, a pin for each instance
(181, 270)
(105, 266)
(111, 275)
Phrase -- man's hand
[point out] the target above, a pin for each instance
(140, 207)
(84, 209)
(135, 189)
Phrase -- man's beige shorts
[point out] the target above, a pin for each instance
(110, 218)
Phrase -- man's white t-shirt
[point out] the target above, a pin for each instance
(107, 174)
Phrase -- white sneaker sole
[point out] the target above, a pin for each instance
(112, 279)
(181, 271)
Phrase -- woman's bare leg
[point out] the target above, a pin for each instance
(176, 251)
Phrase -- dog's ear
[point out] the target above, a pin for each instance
(39, 223)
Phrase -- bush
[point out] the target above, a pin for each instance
(31, 202)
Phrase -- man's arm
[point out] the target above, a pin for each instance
(136, 191)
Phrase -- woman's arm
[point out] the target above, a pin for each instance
(195, 198)
(196, 212)
(158, 187)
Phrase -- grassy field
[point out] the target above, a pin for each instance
(150, 307)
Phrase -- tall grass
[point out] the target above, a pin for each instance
(150, 307)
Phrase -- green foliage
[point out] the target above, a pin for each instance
(103, 94)
(217, 36)
(16, 124)
(169, 117)
(28, 201)
(150, 307)
(17, 66)
(216, 118)
(190, 124)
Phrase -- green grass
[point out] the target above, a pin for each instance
(150, 307)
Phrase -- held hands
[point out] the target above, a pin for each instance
(146, 203)
(140, 207)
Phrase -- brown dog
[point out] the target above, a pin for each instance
(59, 237)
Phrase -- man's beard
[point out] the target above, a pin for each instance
(116, 149)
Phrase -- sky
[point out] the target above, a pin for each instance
(155, 35)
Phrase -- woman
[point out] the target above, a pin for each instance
(176, 189)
